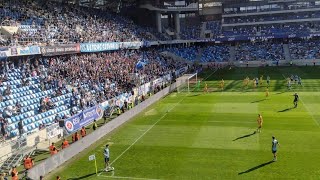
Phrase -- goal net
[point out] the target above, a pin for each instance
(188, 83)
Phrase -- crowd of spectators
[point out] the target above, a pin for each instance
(216, 53)
(272, 17)
(190, 32)
(305, 49)
(259, 51)
(213, 53)
(84, 79)
(51, 22)
(214, 26)
(274, 29)
(289, 6)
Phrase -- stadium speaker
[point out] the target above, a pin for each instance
(61, 123)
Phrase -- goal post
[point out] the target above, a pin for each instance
(187, 82)
(193, 81)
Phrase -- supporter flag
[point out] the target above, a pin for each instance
(142, 62)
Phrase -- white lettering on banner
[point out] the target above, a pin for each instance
(89, 113)
(75, 120)
(70, 49)
(59, 49)
(53, 131)
(96, 47)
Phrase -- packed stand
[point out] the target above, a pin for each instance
(290, 6)
(305, 49)
(190, 32)
(272, 17)
(259, 51)
(216, 53)
(273, 29)
(38, 92)
(52, 22)
(214, 26)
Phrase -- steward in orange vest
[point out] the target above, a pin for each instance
(83, 132)
(75, 137)
(65, 144)
(14, 174)
(51, 147)
(54, 151)
(28, 163)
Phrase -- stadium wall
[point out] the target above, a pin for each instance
(57, 160)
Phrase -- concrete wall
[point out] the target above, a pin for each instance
(55, 161)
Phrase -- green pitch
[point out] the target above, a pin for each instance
(211, 136)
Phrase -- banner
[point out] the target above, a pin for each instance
(60, 49)
(4, 54)
(131, 45)
(23, 51)
(84, 118)
(53, 131)
(99, 47)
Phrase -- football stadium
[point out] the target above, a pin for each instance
(159, 89)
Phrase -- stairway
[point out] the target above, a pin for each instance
(199, 55)
(14, 160)
(232, 52)
(203, 30)
(286, 52)
(20, 150)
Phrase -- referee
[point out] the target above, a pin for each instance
(295, 100)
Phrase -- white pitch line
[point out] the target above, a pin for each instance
(122, 177)
(149, 129)
(314, 119)
(145, 132)
(152, 126)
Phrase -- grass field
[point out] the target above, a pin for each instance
(210, 136)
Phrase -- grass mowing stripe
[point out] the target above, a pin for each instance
(307, 108)
(151, 127)
(144, 133)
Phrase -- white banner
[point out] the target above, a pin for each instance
(53, 131)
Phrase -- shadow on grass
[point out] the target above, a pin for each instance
(245, 136)
(256, 167)
(82, 177)
(287, 109)
(260, 100)
(193, 95)
(280, 92)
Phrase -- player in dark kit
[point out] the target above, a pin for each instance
(296, 99)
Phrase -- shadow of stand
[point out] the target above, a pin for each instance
(245, 136)
(256, 167)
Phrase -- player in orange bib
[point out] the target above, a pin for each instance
(205, 89)
(222, 84)
(260, 122)
(267, 92)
